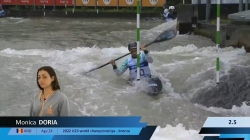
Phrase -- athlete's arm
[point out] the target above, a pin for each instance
(122, 69)
(170, 15)
(2, 13)
(165, 12)
(147, 57)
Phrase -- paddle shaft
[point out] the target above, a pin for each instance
(129, 53)
(118, 58)
(166, 35)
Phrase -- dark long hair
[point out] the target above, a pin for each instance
(51, 71)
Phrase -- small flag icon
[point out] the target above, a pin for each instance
(19, 130)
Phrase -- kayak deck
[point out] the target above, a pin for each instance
(154, 85)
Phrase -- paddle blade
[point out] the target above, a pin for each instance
(166, 35)
(89, 71)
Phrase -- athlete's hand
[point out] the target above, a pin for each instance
(112, 61)
(143, 48)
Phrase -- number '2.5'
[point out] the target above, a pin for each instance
(232, 122)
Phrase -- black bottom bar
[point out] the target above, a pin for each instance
(217, 138)
(225, 130)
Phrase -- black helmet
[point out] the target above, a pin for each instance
(132, 45)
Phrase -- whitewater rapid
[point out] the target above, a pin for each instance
(185, 65)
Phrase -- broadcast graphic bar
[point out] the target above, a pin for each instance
(75, 128)
(228, 128)
(229, 122)
(75, 131)
(127, 121)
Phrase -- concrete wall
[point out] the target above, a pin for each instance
(185, 12)
(188, 10)
(231, 35)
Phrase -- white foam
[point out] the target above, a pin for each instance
(177, 49)
(91, 57)
(15, 18)
(236, 111)
(84, 58)
(83, 55)
(74, 61)
(175, 133)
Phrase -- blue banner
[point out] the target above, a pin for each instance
(74, 128)
(31, 134)
(124, 121)
(75, 131)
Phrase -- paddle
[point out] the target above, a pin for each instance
(166, 35)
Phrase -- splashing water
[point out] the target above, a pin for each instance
(185, 65)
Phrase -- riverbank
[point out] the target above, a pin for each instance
(234, 35)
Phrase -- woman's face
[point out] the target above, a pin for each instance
(44, 79)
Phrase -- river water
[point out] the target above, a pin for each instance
(185, 64)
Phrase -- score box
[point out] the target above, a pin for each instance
(227, 122)
(228, 128)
